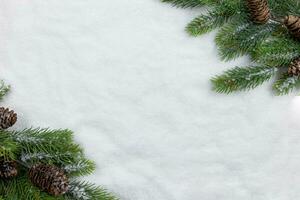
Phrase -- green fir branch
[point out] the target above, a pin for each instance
(80, 190)
(239, 79)
(8, 148)
(189, 3)
(204, 23)
(55, 158)
(39, 136)
(240, 37)
(4, 89)
(80, 167)
(49, 154)
(286, 84)
(276, 51)
(45, 145)
(282, 8)
(22, 189)
(213, 19)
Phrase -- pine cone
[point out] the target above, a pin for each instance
(7, 118)
(294, 68)
(293, 25)
(8, 169)
(49, 178)
(259, 10)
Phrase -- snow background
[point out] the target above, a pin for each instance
(135, 89)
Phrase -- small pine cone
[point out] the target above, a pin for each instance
(294, 68)
(259, 10)
(7, 118)
(8, 169)
(293, 25)
(50, 179)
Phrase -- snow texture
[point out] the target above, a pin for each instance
(135, 89)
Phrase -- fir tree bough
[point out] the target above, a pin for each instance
(266, 30)
(52, 150)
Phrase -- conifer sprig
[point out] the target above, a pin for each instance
(22, 189)
(242, 78)
(286, 84)
(47, 146)
(189, 3)
(51, 147)
(213, 19)
(264, 29)
(81, 167)
(239, 38)
(82, 190)
(7, 147)
(276, 51)
(4, 89)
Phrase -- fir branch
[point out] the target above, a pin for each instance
(44, 157)
(189, 3)
(80, 190)
(213, 19)
(51, 155)
(277, 51)
(8, 147)
(282, 8)
(4, 89)
(46, 145)
(22, 189)
(39, 136)
(242, 78)
(239, 37)
(286, 84)
(80, 167)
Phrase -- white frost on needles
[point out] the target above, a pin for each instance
(78, 192)
(75, 167)
(264, 72)
(287, 83)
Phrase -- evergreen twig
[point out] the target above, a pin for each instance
(213, 19)
(4, 89)
(54, 147)
(286, 84)
(268, 43)
(239, 38)
(84, 190)
(277, 51)
(189, 3)
(242, 78)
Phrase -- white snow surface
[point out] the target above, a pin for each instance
(135, 89)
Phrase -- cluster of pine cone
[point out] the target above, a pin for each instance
(48, 178)
(260, 14)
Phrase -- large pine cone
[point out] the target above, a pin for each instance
(8, 169)
(259, 10)
(50, 179)
(294, 68)
(7, 118)
(293, 25)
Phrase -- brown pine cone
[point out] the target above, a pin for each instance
(8, 169)
(294, 68)
(7, 118)
(259, 11)
(293, 25)
(50, 179)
